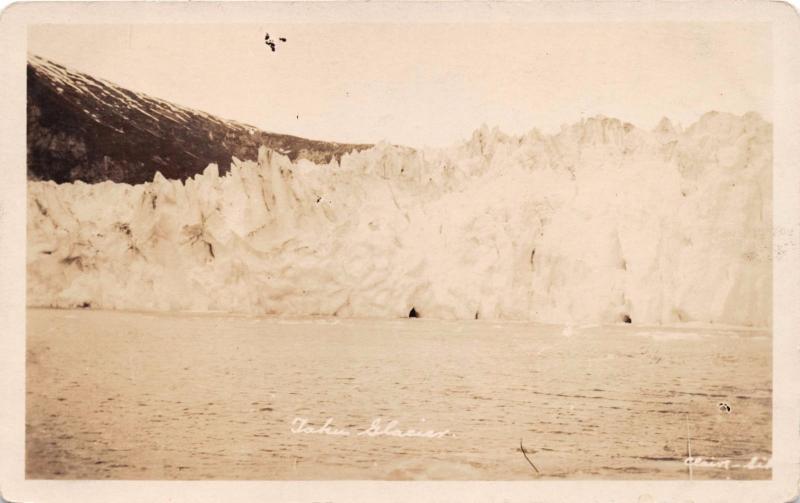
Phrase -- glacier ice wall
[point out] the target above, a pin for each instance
(597, 223)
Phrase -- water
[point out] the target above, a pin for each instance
(125, 395)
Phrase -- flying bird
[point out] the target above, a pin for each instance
(271, 43)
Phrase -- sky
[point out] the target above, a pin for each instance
(428, 84)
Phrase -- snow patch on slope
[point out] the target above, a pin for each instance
(602, 222)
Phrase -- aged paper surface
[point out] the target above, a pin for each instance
(338, 251)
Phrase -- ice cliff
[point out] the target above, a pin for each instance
(599, 223)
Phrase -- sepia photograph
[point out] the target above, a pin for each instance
(399, 251)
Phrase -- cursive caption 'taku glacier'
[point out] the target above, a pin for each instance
(378, 428)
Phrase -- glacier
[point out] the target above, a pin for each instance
(601, 222)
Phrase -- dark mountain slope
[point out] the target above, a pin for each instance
(83, 128)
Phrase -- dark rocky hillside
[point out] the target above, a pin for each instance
(83, 128)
